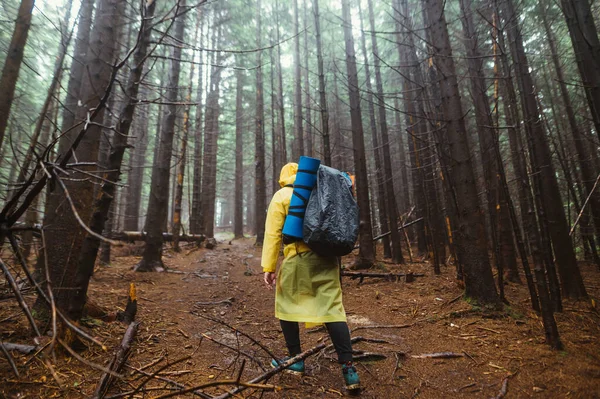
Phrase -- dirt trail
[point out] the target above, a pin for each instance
(510, 344)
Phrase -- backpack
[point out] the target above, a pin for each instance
(330, 225)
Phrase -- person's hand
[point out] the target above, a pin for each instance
(269, 280)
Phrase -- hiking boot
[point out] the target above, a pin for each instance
(351, 377)
(295, 368)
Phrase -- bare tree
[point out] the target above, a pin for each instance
(159, 191)
(366, 255)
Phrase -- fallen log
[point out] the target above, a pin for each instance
(132, 236)
(117, 361)
(408, 277)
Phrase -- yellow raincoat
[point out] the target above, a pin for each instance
(308, 285)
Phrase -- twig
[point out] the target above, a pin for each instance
(117, 361)
(10, 360)
(76, 214)
(157, 377)
(87, 362)
(228, 301)
(243, 385)
(240, 332)
(48, 298)
(583, 206)
(249, 356)
(21, 301)
(503, 388)
(289, 362)
(488, 329)
(383, 326)
(466, 386)
(148, 378)
(440, 355)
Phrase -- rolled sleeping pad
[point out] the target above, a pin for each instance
(306, 178)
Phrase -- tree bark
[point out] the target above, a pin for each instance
(470, 236)
(12, 64)
(584, 37)
(502, 239)
(307, 90)
(392, 207)
(259, 154)
(78, 65)
(238, 220)
(366, 255)
(195, 216)
(65, 237)
(177, 208)
(322, 96)
(379, 177)
(159, 190)
(211, 134)
(298, 144)
(548, 194)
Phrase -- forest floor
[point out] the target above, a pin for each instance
(435, 318)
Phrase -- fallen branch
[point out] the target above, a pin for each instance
(379, 237)
(369, 357)
(289, 362)
(20, 300)
(408, 277)
(10, 360)
(503, 388)
(228, 301)
(117, 361)
(440, 355)
(158, 377)
(26, 349)
(243, 385)
(132, 236)
(383, 326)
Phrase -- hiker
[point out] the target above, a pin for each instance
(307, 286)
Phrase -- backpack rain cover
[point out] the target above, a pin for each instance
(331, 219)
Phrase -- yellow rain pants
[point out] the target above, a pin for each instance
(308, 285)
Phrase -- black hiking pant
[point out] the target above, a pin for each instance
(338, 331)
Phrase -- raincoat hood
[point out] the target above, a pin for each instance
(288, 174)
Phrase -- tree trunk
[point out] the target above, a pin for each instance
(502, 240)
(548, 193)
(470, 236)
(78, 65)
(307, 90)
(379, 177)
(211, 134)
(195, 216)
(588, 176)
(159, 190)
(238, 220)
(137, 162)
(12, 64)
(259, 154)
(322, 96)
(392, 207)
(64, 236)
(283, 145)
(298, 144)
(177, 211)
(366, 255)
(584, 37)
